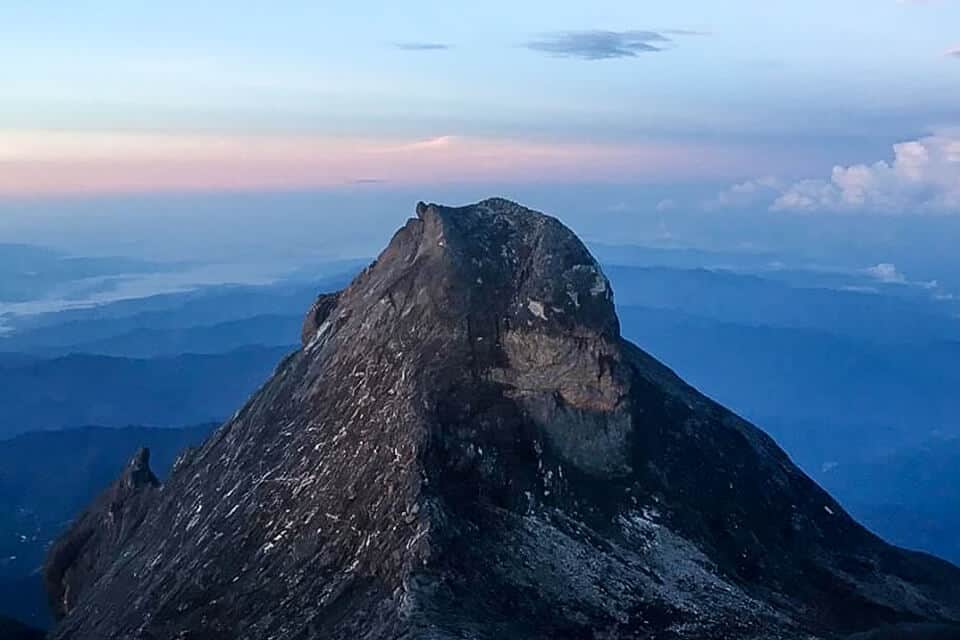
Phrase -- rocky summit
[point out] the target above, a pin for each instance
(465, 447)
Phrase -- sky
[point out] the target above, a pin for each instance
(785, 105)
(826, 131)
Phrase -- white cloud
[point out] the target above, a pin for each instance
(924, 177)
(666, 205)
(749, 193)
(886, 273)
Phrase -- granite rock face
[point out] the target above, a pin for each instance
(465, 447)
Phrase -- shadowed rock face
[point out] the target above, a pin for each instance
(465, 447)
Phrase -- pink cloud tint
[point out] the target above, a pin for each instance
(41, 163)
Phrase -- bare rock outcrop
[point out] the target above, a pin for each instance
(465, 447)
(95, 540)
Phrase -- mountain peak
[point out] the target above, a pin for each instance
(466, 447)
(98, 534)
(497, 253)
(138, 474)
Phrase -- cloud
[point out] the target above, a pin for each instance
(761, 191)
(422, 46)
(953, 52)
(886, 273)
(923, 177)
(606, 45)
(56, 162)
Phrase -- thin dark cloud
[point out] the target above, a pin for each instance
(368, 181)
(605, 45)
(422, 46)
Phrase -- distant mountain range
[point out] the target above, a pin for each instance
(855, 377)
(31, 272)
(761, 301)
(88, 389)
(817, 391)
(911, 495)
(222, 337)
(204, 307)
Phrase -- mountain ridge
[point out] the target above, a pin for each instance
(81, 389)
(465, 445)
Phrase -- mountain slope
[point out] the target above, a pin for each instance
(466, 447)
